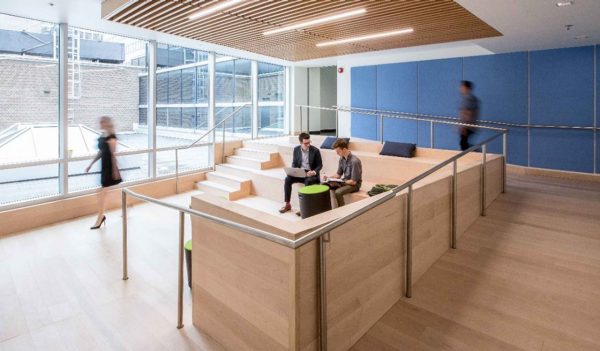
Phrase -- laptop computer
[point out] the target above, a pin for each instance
(295, 172)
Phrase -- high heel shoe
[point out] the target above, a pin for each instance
(101, 222)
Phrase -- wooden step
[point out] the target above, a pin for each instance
(235, 170)
(250, 162)
(256, 153)
(220, 190)
(243, 184)
(260, 145)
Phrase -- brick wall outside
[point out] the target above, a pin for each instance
(29, 93)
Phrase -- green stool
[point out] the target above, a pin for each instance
(188, 261)
(314, 199)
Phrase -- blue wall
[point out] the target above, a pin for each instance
(548, 87)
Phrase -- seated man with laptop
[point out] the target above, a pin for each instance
(349, 174)
(306, 166)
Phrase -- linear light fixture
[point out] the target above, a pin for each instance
(564, 3)
(366, 37)
(212, 9)
(316, 21)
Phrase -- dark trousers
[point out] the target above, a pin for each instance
(465, 133)
(291, 180)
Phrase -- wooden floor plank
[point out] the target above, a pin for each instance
(525, 277)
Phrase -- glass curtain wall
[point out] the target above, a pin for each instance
(29, 92)
(233, 91)
(182, 88)
(107, 75)
(271, 99)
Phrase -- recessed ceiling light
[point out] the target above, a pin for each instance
(564, 3)
(316, 21)
(366, 37)
(213, 9)
(581, 37)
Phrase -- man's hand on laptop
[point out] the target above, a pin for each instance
(311, 173)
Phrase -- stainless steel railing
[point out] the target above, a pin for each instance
(322, 232)
(213, 131)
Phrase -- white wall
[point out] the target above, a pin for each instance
(314, 98)
(328, 96)
(299, 97)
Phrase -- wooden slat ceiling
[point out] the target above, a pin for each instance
(242, 26)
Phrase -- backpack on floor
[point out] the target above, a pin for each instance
(380, 188)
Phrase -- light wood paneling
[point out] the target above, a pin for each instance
(525, 277)
(241, 26)
(30, 217)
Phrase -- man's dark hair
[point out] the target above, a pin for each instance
(341, 143)
(467, 84)
(303, 136)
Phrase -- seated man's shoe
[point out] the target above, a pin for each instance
(285, 208)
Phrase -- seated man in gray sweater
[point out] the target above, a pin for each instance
(349, 171)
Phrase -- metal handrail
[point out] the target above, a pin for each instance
(212, 130)
(321, 232)
(436, 117)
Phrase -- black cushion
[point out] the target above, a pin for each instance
(392, 148)
(329, 141)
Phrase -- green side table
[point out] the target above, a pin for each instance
(188, 261)
(314, 199)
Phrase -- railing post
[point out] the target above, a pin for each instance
(124, 222)
(381, 128)
(483, 176)
(176, 171)
(337, 122)
(431, 133)
(322, 294)
(504, 139)
(408, 228)
(180, 271)
(223, 146)
(300, 107)
(454, 205)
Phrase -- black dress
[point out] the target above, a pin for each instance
(109, 173)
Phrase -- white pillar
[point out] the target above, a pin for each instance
(254, 80)
(151, 110)
(63, 106)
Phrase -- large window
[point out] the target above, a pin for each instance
(102, 82)
(29, 94)
(271, 99)
(233, 91)
(108, 75)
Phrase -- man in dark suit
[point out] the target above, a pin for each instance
(307, 157)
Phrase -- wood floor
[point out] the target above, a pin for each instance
(61, 287)
(526, 277)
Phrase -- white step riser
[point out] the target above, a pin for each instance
(233, 171)
(254, 164)
(223, 180)
(260, 146)
(234, 195)
(256, 154)
(244, 186)
(212, 191)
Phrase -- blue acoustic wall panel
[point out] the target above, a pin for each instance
(501, 85)
(569, 150)
(438, 83)
(446, 137)
(562, 86)
(364, 95)
(424, 138)
(396, 91)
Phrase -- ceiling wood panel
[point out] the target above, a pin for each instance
(242, 26)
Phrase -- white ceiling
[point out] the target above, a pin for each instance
(525, 25)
